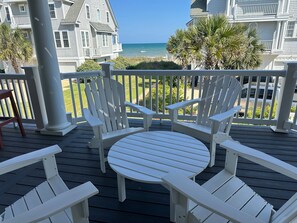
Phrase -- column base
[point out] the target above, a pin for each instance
(60, 132)
(273, 128)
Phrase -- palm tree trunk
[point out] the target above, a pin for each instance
(15, 65)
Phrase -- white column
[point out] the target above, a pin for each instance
(227, 8)
(48, 68)
(286, 98)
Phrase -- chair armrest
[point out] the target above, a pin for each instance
(202, 197)
(225, 115)
(57, 204)
(92, 121)
(28, 159)
(183, 104)
(140, 108)
(260, 158)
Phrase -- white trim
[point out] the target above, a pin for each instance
(24, 6)
(88, 11)
(98, 15)
(107, 17)
(52, 3)
(62, 39)
(87, 45)
(105, 40)
(294, 33)
(9, 13)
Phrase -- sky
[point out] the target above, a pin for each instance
(150, 21)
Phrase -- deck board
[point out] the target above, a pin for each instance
(145, 202)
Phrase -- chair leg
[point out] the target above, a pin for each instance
(102, 159)
(212, 151)
(16, 114)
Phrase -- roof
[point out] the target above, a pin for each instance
(73, 12)
(198, 8)
(100, 27)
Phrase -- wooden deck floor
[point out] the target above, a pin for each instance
(145, 202)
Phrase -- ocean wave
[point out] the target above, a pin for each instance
(143, 51)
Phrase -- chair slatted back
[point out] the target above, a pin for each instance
(219, 95)
(106, 101)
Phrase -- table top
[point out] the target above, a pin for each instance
(148, 156)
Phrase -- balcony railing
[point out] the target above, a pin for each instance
(117, 47)
(19, 85)
(267, 44)
(91, 52)
(264, 98)
(249, 10)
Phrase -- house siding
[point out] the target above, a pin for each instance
(271, 26)
(74, 55)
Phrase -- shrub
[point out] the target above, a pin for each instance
(88, 65)
(155, 65)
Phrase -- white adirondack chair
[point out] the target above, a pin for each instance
(107, 115)
(51, 201)
(215, 112)
(226, 198)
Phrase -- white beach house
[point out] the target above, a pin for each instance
(82, 29)
(275, 21)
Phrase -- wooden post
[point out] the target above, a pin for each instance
(107, 69)
(286, 98)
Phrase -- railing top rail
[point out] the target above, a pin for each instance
(272, 73)
(82, 74)
(12, 76)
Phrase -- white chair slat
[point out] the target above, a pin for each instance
(95, 104)
(19, 207)
(222, 98)
(208, 100)
(8, 214)
(255, 206)
(122, 104)
(46, 193)
(289, 208)
(32, 200)
(265, 214)
(217, 93)
(237, 200)
(103, 100)
(110, 103)
(116, 99)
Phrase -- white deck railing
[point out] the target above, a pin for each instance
(258, 101)
(245, 9)
(267, 96)
(18, 84)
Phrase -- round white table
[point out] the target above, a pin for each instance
(148, 156)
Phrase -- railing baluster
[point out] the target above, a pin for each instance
(29, 101)
(80, 96)
(150, 92)
(143, 91)
(72, 96)
(275, 90)
(256, 97)
(20, 85)
(136, 88)
(164, 94)
(264, 97)
(171, 87)
(157, 94)
(18, 101)
(130, 88)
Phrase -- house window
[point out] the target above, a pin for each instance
(7, 12)
(98, 15)
(107, 16)
(290, 29)
(88, 11)
(85, 39)
(62, 39)
(105, 40)
(22, 8)
(52, 10)
(114, 39)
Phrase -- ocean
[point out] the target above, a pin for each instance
(144, 50)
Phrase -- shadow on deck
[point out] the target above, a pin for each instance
(145, 202)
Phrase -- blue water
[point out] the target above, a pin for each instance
(144, 50)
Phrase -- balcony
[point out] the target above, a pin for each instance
(267, 44)
(21, 22)
(116, 48)
(252, 11)
(147, 202)
(91, 52)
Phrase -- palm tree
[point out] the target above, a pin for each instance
(214, 37)
(14, 47)
(179, 47)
